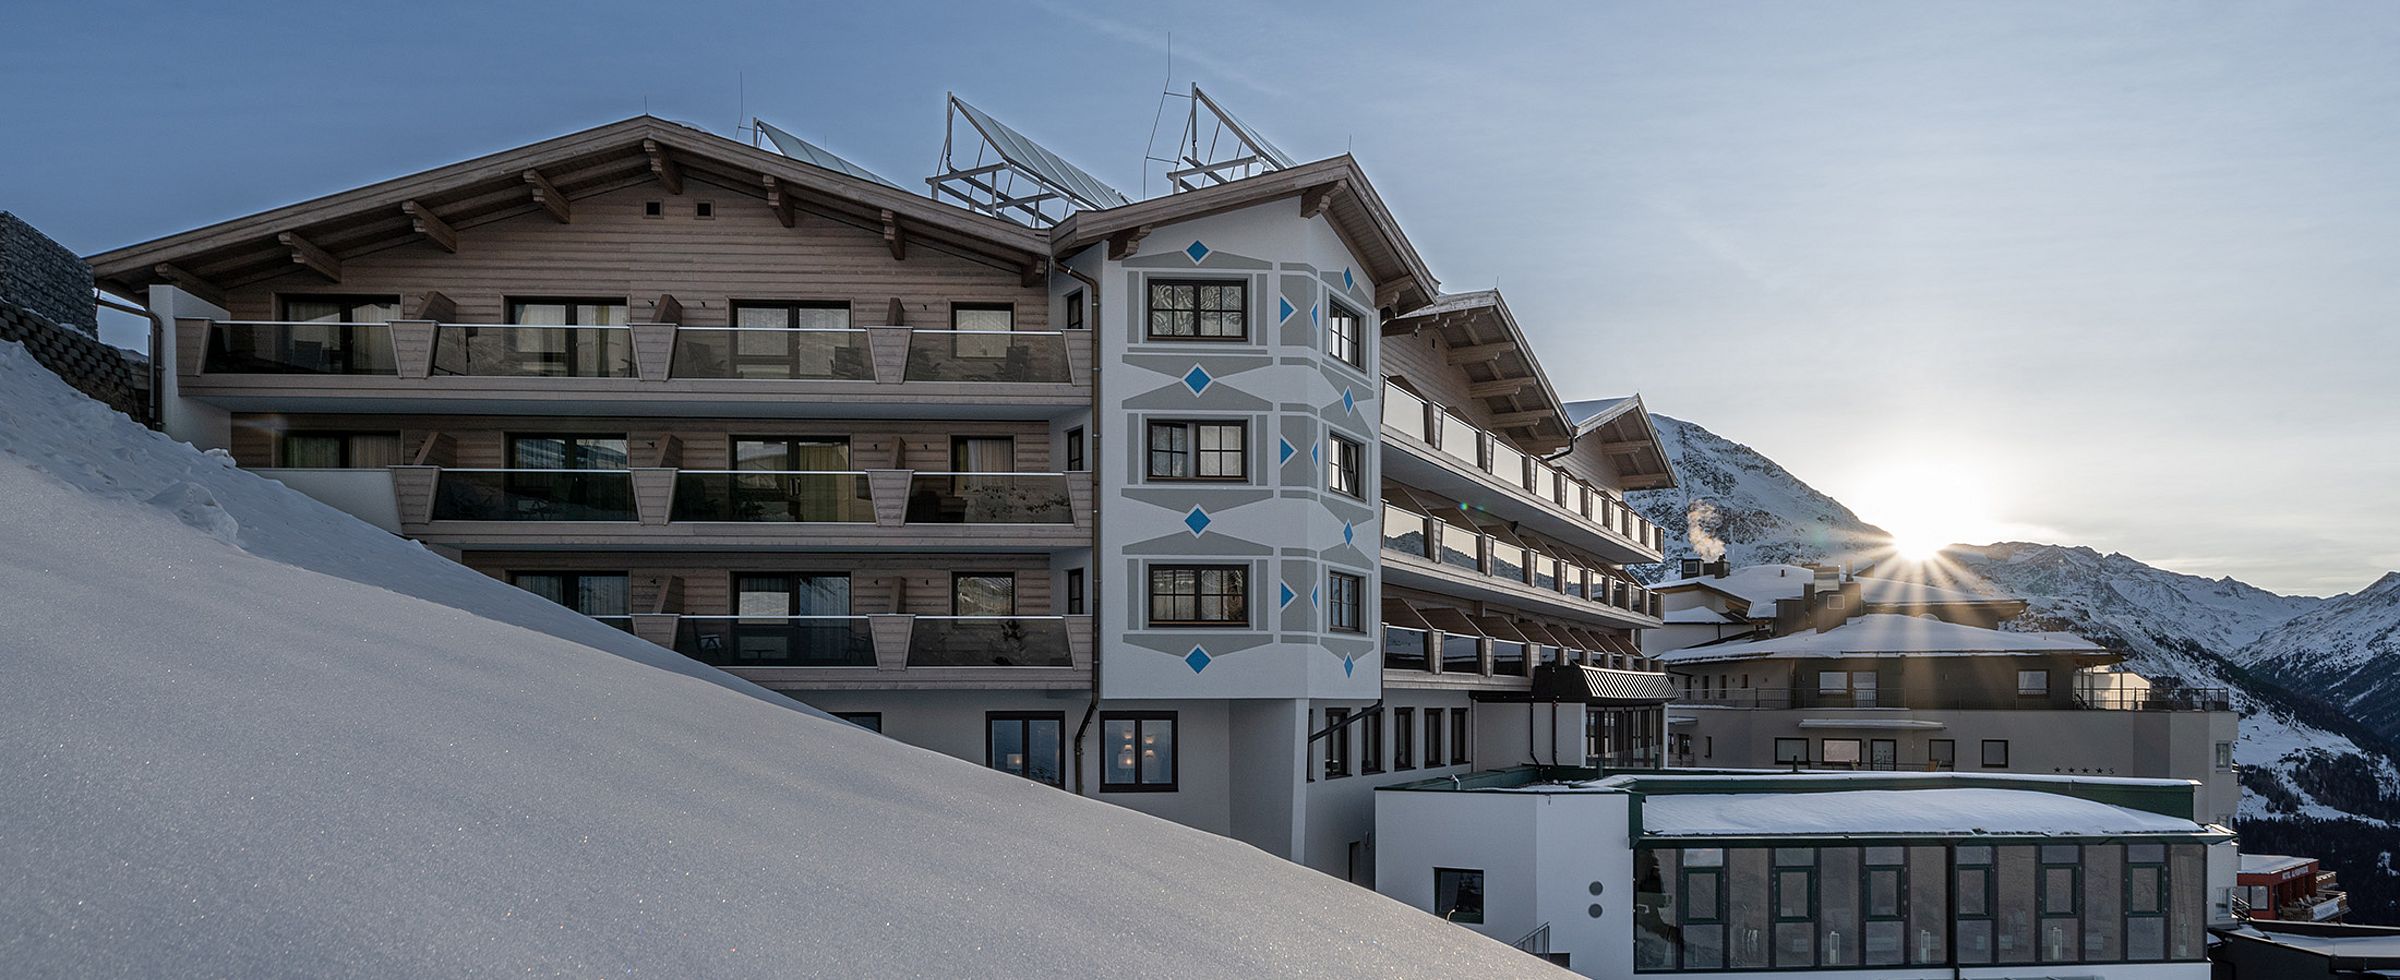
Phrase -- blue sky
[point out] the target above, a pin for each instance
(2120, 275)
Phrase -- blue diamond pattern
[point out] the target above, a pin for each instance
(1347, 282)
(1313, 458)
(1197, 379)
(1349, 664)
(1349, 402)
(1312, 595)
(1313, 310)
(1349, 533)
(1288, 594)
(1285, 451)
(1198, 658)
(1287, 308)
(1197, 251)
(1198, 520)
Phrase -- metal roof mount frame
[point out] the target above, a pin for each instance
(1012, 176)
(810, 153)
(1249, 155)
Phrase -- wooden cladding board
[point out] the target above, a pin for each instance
(612, 251)
(1420, 360)
(913, 584)
(481, 441)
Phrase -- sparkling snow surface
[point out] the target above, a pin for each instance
(1897, 811)
(243, 734)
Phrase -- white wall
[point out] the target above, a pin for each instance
(1541, 854)
(205, 426)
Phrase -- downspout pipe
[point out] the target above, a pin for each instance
(1091, 462)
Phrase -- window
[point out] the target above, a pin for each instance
(1074, 319)
(983, 595)
(790, 315)
(1370, 742)
(1404, 738)
(1942, 753)
(970, 319)
(1337, 743)
(1841, 752)
(2033, 683)
(340, 450)
(1342, 336)
(704, 209)
(1137, 752)
(1458, 894)
(1847, 687)
(1834, 601)
(1199, 309)
(869, 720)
(789, 453)
(779, 596)
(341, 309)
(567, 312)
(983, 454)
(601, 595)
(1199, 595)
(1345, 467)
(764, 345)
(1199, 450)
(1074, 592)
(2224, 755)
(1791, 751)
(1023, 743)
(1342, 591)
(654, 209)
(1995, 753)
(775, 624)
(1075, 450)
(566, 452)
(1433, 738)
(1459, 736)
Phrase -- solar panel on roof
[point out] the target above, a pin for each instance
(1021, 151)
(818, 156)
(1273, 153)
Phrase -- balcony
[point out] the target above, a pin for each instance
(1435, 555)
(2185, 699)
(423, 365)
(667, 507)
(1422, 648)
(1440, 452)
(885, 650)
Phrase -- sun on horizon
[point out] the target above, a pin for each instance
(1926, 506)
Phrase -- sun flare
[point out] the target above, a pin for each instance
(1927, 506)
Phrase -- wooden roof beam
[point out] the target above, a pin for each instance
(1388, 293)
(1473, 353)
(307, 255)
(1522, 420)
(431, 225)
(663, 166)
(780, 201)
(1314, 199)
(547, 195)
(894, 237)
(178, 277)
(1123, 244)
(1498, 388)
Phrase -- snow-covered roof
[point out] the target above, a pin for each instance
(2267, 864)
(275, 741)
(1596, 410)
(1944, 811)
(1696, 614)
(1886, 634)
(1761, 585)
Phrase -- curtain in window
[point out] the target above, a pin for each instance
(312, 451)
(984, 455)
(373, 450)
(603, 595)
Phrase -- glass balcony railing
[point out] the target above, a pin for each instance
(784, 497)
(777, 353)
(528, 351)
(534, 495)
(1404, 411)
(251, 347)
(989, 498)
(1021, 356)
(989, 641)
(1508, 658)
(1508, 464)
(1408, 532)
(1404, 648)
(1460, 548)
(1453, 436)
(1459, 440)
(776, 641)
(1405, 531)
(1509, 561)
(1462, 654)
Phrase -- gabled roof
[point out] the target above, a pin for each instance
(1479, 326)
(512, 182)
(1335, 187)
(1620, 428)
(1761, 585)
(1887, 635)
(807, 152)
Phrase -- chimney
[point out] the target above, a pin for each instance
(1719, 568)
(1691, 568)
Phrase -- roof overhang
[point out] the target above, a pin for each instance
(1485, 341)
(1335, 188)
(1623, 432)
(549, 175)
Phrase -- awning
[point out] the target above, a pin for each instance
(1398, 613)
(1542, 633)
(1883, 724)
(1595, 685)
(1500, 629)
(1449, 620)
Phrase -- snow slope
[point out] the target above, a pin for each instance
(1730, 495)
(2349, 647)
(245, 735)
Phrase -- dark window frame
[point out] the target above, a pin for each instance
(1240, 589)
(1075, 314)
(1174, 781)
(790, 308)
(349, 302)
(1431, 751)
(1337, 743)
(1454, 913)
(1192, 453)
(1357, 587)
(1782, 759)
(1404, 739)
(347, 457)
(1151, 309)
(869, 720)
(1075, 461)
(1346, 456)
(572, 303)
(1932, 762)
(1075, 597)
(1370, 742)
(570, 584)
(1335, 311)
(1985, 756)
(1462, 736)
(570, 443)
(1024, 719)
(958, 577)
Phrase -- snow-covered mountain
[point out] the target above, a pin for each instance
(2316, 774)
(244, 734)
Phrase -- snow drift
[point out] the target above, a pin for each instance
(245, 735)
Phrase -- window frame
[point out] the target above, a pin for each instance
(1404, 739)
(346, 456)
(1025, 720)
(1462, 736)
(1482, 895)
(1370, 742)
(958, 578)
(1932, 762)
(1346, 456)
(1857, 751)
(1174, 781)
(349, 302)
(573, 304)
(863, 718)
(1150, 309)
(1337, 743)
(1150, 595)
(1985, 755)
(570, 582)
(791, 311)
(1074, 591)
(1336, 310)
(1431, 751)
(1075, 459)
(1335, 579)
(2028, 673)
(570, 445)
(1782, 743)
(1074, 316)
(1192, 451)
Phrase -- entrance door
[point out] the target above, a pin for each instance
(1883, 754)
